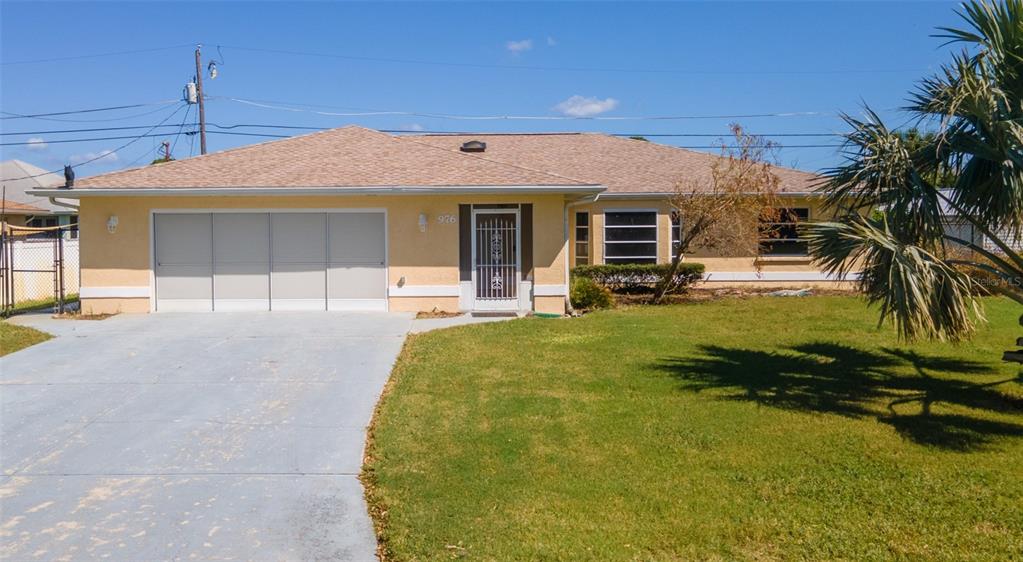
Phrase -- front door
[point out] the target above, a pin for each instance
(495, 251)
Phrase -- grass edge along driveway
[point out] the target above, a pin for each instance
(756, 428)
(15, 338)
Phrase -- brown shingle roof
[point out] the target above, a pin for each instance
(346, 157)
(15, 208)
(623, 165)
(359, 157)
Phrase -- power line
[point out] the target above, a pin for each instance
(110, 54)
(309, 128)
(91, 110)
(181, 128)
(106, 154)
(525, 117)
(565, 68)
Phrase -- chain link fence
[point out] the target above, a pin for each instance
(38, 268)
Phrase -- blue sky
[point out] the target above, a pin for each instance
(588, 59)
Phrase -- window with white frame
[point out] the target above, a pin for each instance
(630, 236)
(582, 238)
(676, 232)
(779, 233)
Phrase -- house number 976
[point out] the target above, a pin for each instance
(447, 219)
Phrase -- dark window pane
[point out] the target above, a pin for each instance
(582, 234)
(582, 249)
(783, 249)
(630, 219)
(630, 260)
(630, 234)
(582, 260)
(644, 249)
(780, 231)
(582, 219)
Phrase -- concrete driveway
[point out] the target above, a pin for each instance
(192, 436)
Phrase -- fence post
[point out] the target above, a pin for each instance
(60, 270)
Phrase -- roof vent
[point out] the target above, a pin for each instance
(474, 146)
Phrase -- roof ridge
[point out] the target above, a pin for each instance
(500, 162)
(173, 163)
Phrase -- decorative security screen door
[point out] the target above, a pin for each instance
(495, 251)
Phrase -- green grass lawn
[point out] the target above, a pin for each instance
(14, 337)
(763, 429)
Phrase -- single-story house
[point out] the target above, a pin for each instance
(18, 214)
(357, 219)
(20, 178)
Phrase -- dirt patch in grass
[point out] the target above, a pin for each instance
(435, 313)
(80, 316)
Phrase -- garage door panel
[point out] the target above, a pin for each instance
(241, 256)
(241, 238)
(357, 238)
(356, 273)
(298, 286)
(356, 282)
(299, 238)
(183, 268)
(183, 239)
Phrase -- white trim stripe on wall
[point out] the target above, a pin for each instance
(720, 276)
(423, 291)
(113, 292)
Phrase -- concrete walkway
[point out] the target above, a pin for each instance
(192, 436)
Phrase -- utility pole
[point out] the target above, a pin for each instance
(166, 151)
(202, 108)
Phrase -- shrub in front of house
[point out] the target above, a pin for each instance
(640, 278)
(586, 294)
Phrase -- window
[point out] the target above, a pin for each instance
(582, 238)
(630, 237)
(779, 234)
(42, 222)
(676, 232)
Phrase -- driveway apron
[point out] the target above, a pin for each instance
(192, 436)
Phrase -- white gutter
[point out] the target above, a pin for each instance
(76, 193)
(659, 195)
(53, 201)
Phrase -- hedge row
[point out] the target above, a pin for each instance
(633, 278)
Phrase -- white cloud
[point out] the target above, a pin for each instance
(519, 46)
(36, 143)
(413, 127)
(579, 106)
(105, 156)
(551, 42)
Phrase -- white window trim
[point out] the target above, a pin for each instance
(657, 234)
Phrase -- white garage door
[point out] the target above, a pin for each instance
(270, 261)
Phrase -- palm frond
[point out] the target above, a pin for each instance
(922, 295)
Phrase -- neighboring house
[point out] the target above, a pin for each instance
(353, 218)
(19, 178)
(18, 214)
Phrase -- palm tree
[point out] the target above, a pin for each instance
(894, 196)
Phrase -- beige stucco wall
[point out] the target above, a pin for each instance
(431, 258)
(715, 263)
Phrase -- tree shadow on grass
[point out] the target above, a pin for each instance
(843, 380)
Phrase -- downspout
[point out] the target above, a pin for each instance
(53, 200)
(568, 247)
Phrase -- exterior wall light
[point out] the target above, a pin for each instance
(422, 222)
(112, 224)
